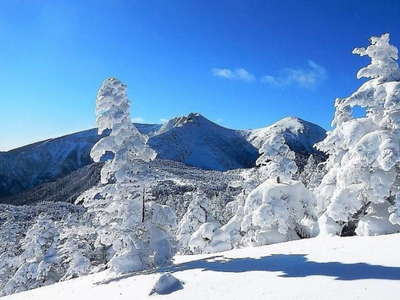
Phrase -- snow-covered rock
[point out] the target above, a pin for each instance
(166, 284)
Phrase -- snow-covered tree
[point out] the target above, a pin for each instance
(313, 172)
(161, 221)
(276, 159)
(277, 212)
(211, 237)
(38, 264)
(118, 205)
(35, 244)
(75, 249)
(364, 152)
(203, 239)
(271, 212)
(124, 141)
(195, 216)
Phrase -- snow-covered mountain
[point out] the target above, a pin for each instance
(192, 139)
(318, 268)
(300, 135)
(198, 142)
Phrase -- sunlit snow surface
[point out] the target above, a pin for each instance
(318, 268)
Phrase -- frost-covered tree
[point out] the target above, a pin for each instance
(203, 239)
(276, 159)
(161, 221)
(35, 244)
(273, 212)
(39, 263)
(206, 207)
(279, 209)
(210, 237)
(277, 212)
(195, 216)
(75, 249)
(313, 172)
(118, 204)
(364, 153)
(124, 141)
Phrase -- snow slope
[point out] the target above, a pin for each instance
(319, 268)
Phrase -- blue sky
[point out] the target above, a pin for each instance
(243, 64)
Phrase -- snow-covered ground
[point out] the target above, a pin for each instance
(318, 268)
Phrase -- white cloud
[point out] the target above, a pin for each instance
(164, 120)
(244, 75)
(307, 77)
(237, 74)
(225, 73)
(137, 120)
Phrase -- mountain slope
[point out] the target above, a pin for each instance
(64, 189)
(28, 166)
(329, 268)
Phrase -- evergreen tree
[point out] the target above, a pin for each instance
(118, 205)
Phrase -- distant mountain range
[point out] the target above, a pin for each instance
(192, 140)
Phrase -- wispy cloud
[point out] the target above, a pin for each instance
(137, 120)
(307, 77)
(237, 74)
(164, 120)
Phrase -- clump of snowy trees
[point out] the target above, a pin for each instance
(42, 250)
(37, 264)
(279, 209)
(356, 191)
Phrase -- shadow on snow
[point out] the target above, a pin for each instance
(291, 265)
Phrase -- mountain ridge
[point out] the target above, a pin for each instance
(191, 139)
